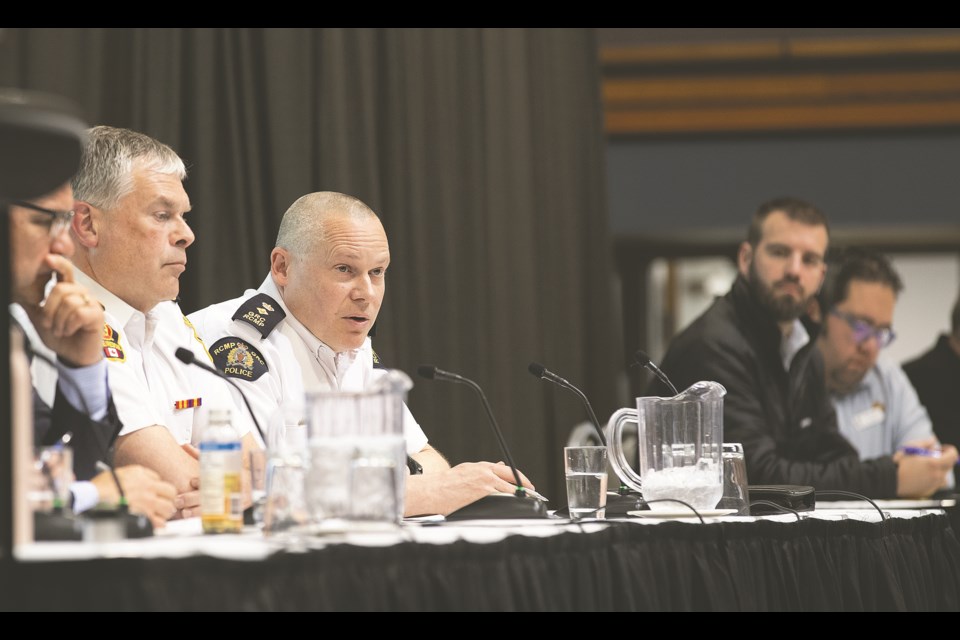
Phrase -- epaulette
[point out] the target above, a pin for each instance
(261, 312)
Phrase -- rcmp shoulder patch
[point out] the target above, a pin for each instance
(261, 312)
(377, 364)
(238, 359)
(111, 344)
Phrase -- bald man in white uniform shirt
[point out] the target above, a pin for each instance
(307, 328)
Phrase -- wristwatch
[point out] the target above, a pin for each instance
(415, 467)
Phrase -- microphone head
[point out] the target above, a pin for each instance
(537, 369)
(427, 371)
(184, 355)
(642, 358)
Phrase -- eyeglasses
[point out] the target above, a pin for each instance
(58, 221)
(863, 330)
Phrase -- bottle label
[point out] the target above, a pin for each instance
(221, 493)
(220, 446)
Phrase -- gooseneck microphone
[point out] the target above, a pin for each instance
(520, 504)
(430, 372)
(187, 357)
(644, 361)
(103, 466)
(620, 502)
(543, 373)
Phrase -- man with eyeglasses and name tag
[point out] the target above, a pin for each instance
(878, 410)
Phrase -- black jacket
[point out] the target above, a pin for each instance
(90, 440)
(936, 377)
(784, 420)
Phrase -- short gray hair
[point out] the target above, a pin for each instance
(106, 166)
(304, 225)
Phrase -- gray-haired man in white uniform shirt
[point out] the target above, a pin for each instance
(131, 237)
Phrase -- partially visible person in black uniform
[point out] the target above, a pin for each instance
(757, 342)
(66, 325)
(936, 377)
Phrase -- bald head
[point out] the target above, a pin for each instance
(329, 266)
(306, 224)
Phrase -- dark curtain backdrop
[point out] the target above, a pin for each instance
(481, 149)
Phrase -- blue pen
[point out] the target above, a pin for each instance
(920, 451)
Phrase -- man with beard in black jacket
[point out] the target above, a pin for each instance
(757, 342)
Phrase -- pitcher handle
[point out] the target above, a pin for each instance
(615, 447)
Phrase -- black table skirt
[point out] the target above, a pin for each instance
(813, 565)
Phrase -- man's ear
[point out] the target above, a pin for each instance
(280, 266)
(86, 224)
(744, 258)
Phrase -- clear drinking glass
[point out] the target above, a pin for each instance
(735, 492)
(585, 469)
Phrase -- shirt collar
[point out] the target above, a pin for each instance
(113, 305)
(791, 344)
(318, 347)
(269, 287)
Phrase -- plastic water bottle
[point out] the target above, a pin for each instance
(221, 469)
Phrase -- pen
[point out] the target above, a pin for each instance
(921, 451)
(533, 493)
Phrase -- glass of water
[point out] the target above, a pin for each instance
(586, 473)
(736, 494)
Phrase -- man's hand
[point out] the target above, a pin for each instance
(70, 321)
(188, 503)
(146, 493)
(920, 476)
(446, 491)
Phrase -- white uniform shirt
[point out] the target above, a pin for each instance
(281, 366)
(149, 385)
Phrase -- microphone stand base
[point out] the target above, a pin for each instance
(618, 505)
(56, 526)
(501, 506)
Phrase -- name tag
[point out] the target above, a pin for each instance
(869, 418)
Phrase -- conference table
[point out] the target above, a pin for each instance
(828, 559)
